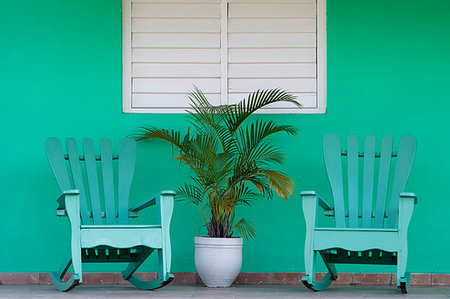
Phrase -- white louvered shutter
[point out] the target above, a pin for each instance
(226, 48)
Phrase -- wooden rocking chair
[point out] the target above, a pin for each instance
(106, 236)
(366, 231)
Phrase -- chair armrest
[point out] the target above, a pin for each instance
(406, 204)
(69, 204)
(322, 202)
(150, 201)
(61, 209)
(409, 195)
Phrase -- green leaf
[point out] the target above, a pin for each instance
(246, 228)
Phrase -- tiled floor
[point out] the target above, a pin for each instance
(238, 291)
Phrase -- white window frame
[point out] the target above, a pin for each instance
(321, 64)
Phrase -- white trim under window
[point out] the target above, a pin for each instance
(171, 45)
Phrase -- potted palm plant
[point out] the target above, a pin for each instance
(231, 159)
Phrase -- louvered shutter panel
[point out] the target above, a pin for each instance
(174, 46)
(272, 44)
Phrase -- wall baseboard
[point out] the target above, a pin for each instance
(284, 278)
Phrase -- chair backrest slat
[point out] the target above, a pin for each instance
(332, 157)
(108, 180)
(92, 178)
(72, 153)
(405, 158)
(86, 179)
(55, 157)
(368, 180)
(390, 182)
(352, 170)
(383, 180)
(127, 162)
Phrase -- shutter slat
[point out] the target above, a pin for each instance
(176, 85)
(272, 40)
(187, 70)
(177, 40)
(272, 10)
(283, 55)
(176, 10)
(292, 85)
(271, 25)
(175, 25)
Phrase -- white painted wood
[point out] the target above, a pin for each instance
(322, 55)
(307, 25)
(262, 111)
(272, 70)
(272, 40)
(177, 40)
(291, 85)
(168, 85)
(224, 52)
(176, 10)
(273, 9)
(271, 1)
(187, 70)
(272, 55)
(180, 100)
(186, 1)
(176, 25)
(177, 55)
(179, 43)
(126, 55)
(308, 100)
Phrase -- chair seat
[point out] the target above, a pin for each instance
(121, 236)
(356, 239)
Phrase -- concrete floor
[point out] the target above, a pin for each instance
(237, 291)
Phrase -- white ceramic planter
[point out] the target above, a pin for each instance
(218, 260)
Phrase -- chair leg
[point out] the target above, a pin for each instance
(310, 279)
(132, 267)
(73, 281)
(403, 277)
(128, 274)
(330, 266)
(164, 264)
(310, 266)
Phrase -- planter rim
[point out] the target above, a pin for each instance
(204, 240)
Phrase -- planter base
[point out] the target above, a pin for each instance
(218, 260)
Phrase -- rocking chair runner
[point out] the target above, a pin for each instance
(373, 233)
(92, 240)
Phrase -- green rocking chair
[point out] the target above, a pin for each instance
(366, 231)
(103, 234)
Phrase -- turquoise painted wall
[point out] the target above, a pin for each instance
(60, 75)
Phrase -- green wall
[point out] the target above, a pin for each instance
(60, 75)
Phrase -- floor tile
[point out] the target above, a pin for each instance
(236, 291)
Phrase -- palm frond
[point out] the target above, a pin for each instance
(230, 161)
(190, 192)
(279, 182)
(255, 101)
(246, 228)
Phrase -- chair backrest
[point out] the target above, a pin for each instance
(82, 172)
(387, 171)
